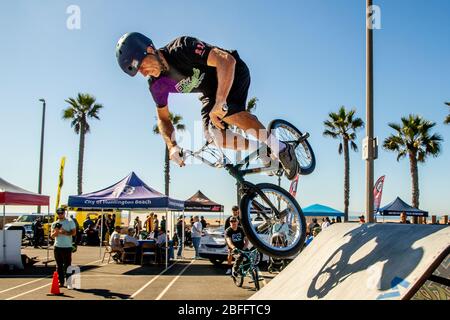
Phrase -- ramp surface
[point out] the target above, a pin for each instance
(362, 262)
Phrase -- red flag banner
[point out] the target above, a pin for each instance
(294, 185)
(377, 193)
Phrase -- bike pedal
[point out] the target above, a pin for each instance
(304, 137)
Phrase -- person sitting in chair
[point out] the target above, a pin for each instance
(116, 246)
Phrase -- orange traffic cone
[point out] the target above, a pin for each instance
(55, 284)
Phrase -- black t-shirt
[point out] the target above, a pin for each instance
(237, 236)
(188, 70)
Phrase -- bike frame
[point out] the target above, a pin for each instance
(237, 171)
(246, 266)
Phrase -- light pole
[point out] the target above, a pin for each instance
(41, 158)
(369, 113)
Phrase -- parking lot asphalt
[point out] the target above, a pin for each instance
(185, 279)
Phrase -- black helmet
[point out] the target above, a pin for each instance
(131, 49)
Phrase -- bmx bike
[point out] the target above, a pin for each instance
(265, 207)
(247, 268)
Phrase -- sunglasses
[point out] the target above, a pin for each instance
(60, 213)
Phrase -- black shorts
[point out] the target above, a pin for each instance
(237, 98)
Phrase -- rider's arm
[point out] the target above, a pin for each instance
(224, 63)
(165, 126)
(245, 242)
(230, 243)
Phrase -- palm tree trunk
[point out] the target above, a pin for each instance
(167, 172)
(346, 179)
(415, 182)
(81, 157)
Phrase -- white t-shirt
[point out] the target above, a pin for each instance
(114, 240)
(325, 225)
(130, 239)
(196, 231)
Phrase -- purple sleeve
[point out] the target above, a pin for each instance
(160, 89)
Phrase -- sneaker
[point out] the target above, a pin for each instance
(289, 162)
(228, 272)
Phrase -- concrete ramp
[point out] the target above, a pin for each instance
(363, 262)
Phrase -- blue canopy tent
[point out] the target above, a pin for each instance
(319, 210)
(396, 207)
(129, 193)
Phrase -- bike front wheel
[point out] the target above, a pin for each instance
(286, 132)
(277, 236)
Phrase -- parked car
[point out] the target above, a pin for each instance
(25, 223)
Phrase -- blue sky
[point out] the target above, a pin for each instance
(306, 58)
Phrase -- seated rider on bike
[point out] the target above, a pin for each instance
(236, 239)
(188, 65)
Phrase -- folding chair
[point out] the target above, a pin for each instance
(127, 252)
(109, 251)
(148, 250)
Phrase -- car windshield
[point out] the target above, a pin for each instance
(26, 218)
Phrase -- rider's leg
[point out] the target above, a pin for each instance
(237, 262)
(250, 124)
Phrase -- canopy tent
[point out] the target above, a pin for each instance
(11, 194)
(201, 203)
(127, 194)
(319, 210)
(396, 207)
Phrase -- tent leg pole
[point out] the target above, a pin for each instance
(48, 233)
(101, 235)
(4, 235)
(183, 237)
(167, 249)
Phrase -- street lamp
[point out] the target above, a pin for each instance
(369, 113)
(42, 151)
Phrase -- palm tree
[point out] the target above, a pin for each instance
(80, 110)
(176, 122)
(447, 119)
(413, 139)
(343, 126)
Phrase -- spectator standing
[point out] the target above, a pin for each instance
(37, 227)
(88, 222)
(163, 223)
(62, 231)
(234, 213)
(403, 218)
(203, 222)
(313, 224)
(112, 226)
(137, 226)
(76, 238)
(156, 225)
(196, 234)
(180, 236)
(325, 223)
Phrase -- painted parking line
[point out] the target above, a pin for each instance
(150, 282)
(24, 284)
(35, 289)
(173, 281)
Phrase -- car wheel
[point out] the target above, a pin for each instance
(217, 262)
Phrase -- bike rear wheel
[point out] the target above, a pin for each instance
(266, 235)
(286, 132)
(255, 276)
